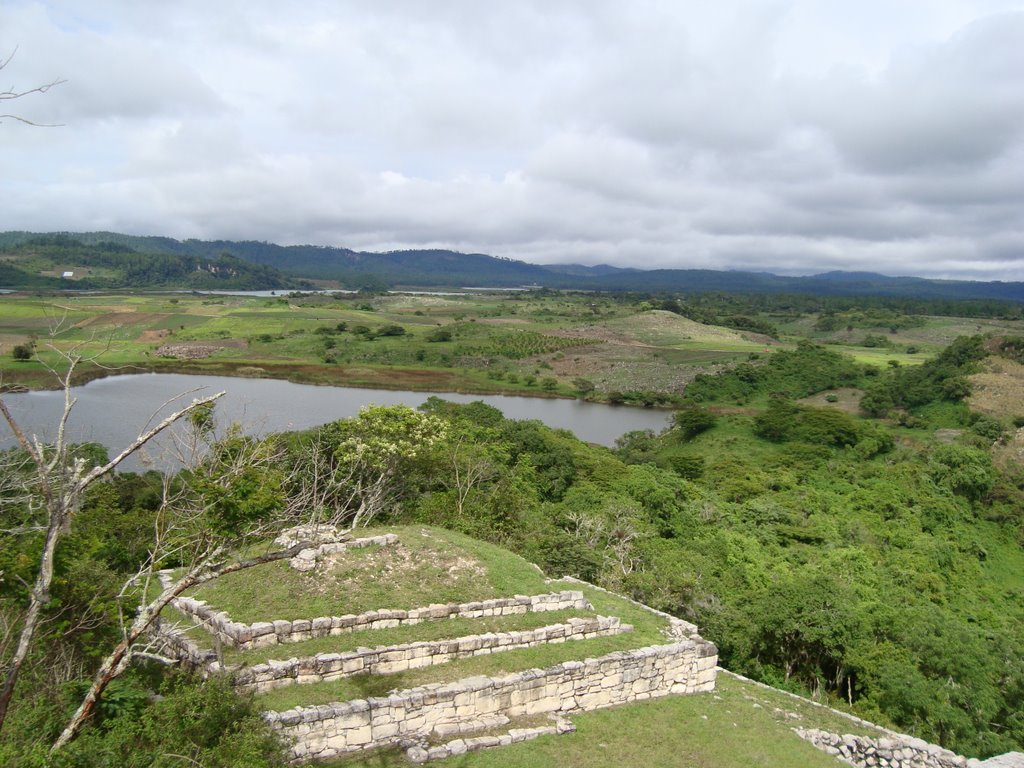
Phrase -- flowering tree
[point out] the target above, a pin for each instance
(354, 469)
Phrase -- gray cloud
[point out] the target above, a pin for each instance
(795, 136)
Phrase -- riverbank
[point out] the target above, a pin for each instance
(38, 379)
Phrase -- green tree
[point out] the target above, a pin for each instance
(692, 420)
(352, 470)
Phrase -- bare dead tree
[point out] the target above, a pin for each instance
(185, 531)
(214, 563)
(11, 93)
(59, 483)
(472, 466)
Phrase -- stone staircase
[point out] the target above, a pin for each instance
(423, 719)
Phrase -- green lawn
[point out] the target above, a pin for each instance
(740, 725)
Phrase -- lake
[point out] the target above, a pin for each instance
(112, 411)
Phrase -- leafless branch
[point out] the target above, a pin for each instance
(11, 93)
(61, 480)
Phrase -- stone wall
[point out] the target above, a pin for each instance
(174, 642)
(419, 754)
(678, 629)
(885, 752)
(328, 730)
(399, 658)
(264, 633)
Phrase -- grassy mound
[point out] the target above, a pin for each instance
(428, 565)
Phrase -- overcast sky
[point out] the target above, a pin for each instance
(796, 136)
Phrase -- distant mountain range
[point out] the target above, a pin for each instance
(436, 268)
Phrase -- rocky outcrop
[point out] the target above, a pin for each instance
(883, 752)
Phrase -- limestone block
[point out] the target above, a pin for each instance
(339, 743)
(359, 736)
(417, 755)
(384, 731)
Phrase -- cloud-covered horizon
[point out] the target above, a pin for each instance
(795, 136)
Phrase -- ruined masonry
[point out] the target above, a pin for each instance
(442, 719)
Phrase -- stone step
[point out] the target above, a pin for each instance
(384, 660)
(422, 753)
(264, 633)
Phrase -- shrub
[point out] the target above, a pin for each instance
(693, 420)
(987, 427)
(583, 386)
(964, 470)
(785, 420)
(688, 467)
(206, 720)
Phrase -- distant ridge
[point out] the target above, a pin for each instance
(445, 268)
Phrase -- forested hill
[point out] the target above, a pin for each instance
(444, 268)
(63, 261)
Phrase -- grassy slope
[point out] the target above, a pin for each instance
(296, 338)
(739, 726)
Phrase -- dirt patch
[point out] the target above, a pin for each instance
(600, 333)
(1009, 451)
(395, 565)
(150, 337)
(759, 338)
(666, 328)
(948, 435)
(999, 389)
(626, 367)
(512, 321)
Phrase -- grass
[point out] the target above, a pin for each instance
(665, 329)
(740, 725)
(429, 565)
(647, 630)
(285, 336)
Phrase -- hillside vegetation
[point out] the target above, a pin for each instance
(443, 268)
(62, 261)
(850, 529)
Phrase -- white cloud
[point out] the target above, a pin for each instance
(796, 135)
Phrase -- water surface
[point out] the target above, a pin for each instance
(112, 411)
